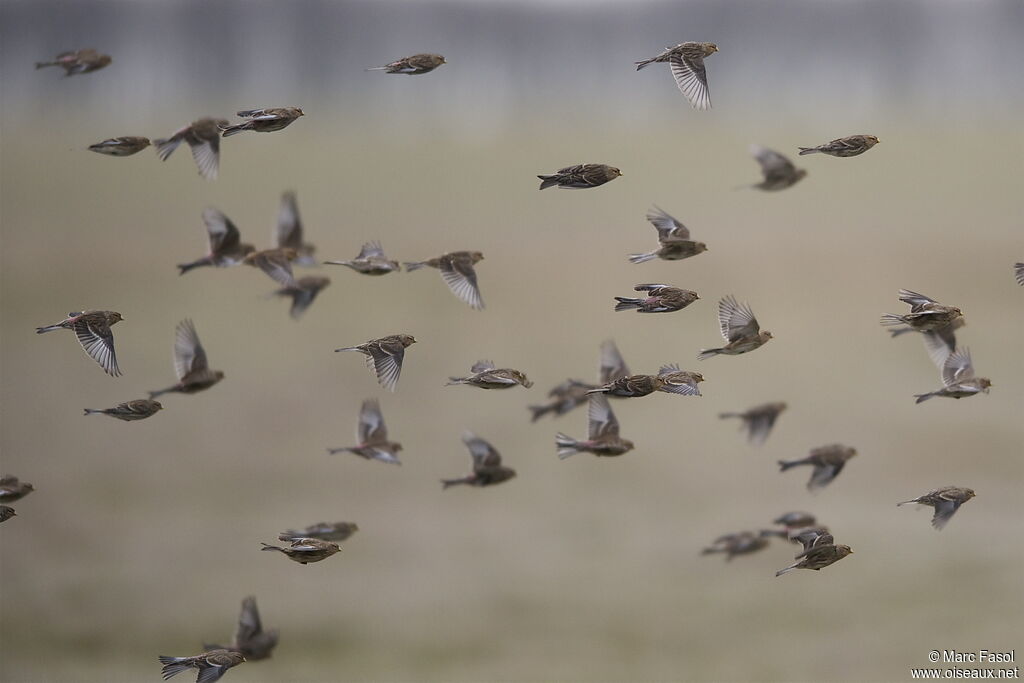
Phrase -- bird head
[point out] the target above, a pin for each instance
(407, 339)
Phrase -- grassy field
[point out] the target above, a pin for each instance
(142, 538)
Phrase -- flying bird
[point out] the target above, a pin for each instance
(93, 331)
(372, 438)
(742, 543)
(384, 356)
(926, 314)
(130, 411)
(288, 231)
(602, 434)
(302, 292)
(849, 146)
(739, 327)
(226, 247)
(580, 176)
(778, 171)
(13, 489)
(6, 512)
(121, 147)
(250, 639)
(659, 299)
(818, 558)
(958, 378)
(211, 665)
(673, 239)
(790, 521)
(190, 363)
(78, 62)
(827, 461)
(458, 273)
(306, 550)
(687, 63)
(678, 381)
(370, 261)
(563, 398)
(758, 421)
(276, 263)
(946, 501)
(263, 120)
(487, 467)
(487, 376)
(325, 531)
(203, 137)
(412, 66)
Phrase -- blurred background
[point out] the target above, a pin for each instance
(142, 538)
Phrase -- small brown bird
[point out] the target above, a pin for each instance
(384, 356)
(602, 434)
(264, 120)
(130, 411)
(958, 378)
(288, 231)
(659, 299)
(828, 462)
(819, 557)
(778, 171)
(673, 238)
(226, 247)
(250, 639)
(742, 543)
(580, 176)
(679, 381)
(412, 66)
(687, 63)
(632, 386)
(487, 376)
(203, 137)
(739, 328)
(12, 489)
(211, 665)
(564, 397)
(758, 421)
(121, 147)
(487, 467)
(926, 314)
(849, 146)
(458, 273)
(6, 512)
(325, 531)
(93, 331)
(190, 363)
(1018, 273)
(790, 521)
(79, 62)
(306, 550)
(371, 261)
(303, 292)
(372, 435)
(276, 263)
(946, 501)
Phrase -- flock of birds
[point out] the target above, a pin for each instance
(937, 324)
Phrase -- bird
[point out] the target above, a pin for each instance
(602, 433)
(958, 378)
(121, 147)
(276, 263)
(687, 63)
(130, 411)
(1018, 273)
(288, 231)
(659, 299)
(946, 501)
(412, 66)
(487, 467)
(302, 292)
(827, 461)
(612, 365)
(325, 531)
(564, 397)
(250, 639)
(211, 665)
(632, 386)
(487, 376)
(674, 243)
(818, 558)
(926, 314)
(263, 120)
(742, 543)
(678, 381)
(372, 438)
(849, 146)
(190, 363)
(758, 421)
(203, 137)
(6, 512)
(78, 62)
(306, 550)
(370, 261)
(778, 171)
(790, 521)
(226, 247)
(739, 328)
(458, 273)
(93, 331)
(13, 489)
(384, 356)
(580, 176)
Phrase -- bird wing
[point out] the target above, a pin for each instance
(98, 342)
(669, 228)
(460, 277)
(825, 473)
(691, 79)
(958, 367)
(773, 164)
(915, 300)
(387, 363)
(189, 355)
(288, 232)
(760, 425)
(371, 427)
(613, 366)
(277, 266)
(484, 454)
(206, 154)
(602, 422)
(482, 366)
(249, 625)
(940, 344)
(371, 250)
(736, 320)
(222, 233)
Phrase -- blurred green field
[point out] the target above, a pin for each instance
(142, 538)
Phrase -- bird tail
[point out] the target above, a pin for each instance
(640, 65)
(891, 319)
(376, 68)
(228, 131)
(548, 181)
(567, 445)
(642, 258)
(537, 412)
(711, 551)
(921, 398)
(267, 546)
(446, 483)
(160, 392)
(787, 464)
(803, 151)
(455, 380)
(708, 353)
(335, 451)
(787, 569)
(40, 65)
(347, 348)
(769, 533)
(48, 328)
(173, 666)
(723, 416)
(185, 267)
(906, 502)
(627, 304)
(92, 411)
(415, 265)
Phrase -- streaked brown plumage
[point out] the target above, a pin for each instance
(12, 488)
(121, 147)
(487, 376)
(759, 420)
(849, 146)
(458, 273)
(958, 378)
(602, 433)
(739, 327)
(1018, 273)
(302, 292)
(741, 543)
(687, 63)
(487, 467)
(93, 331)
(226, 247)
(6, 512)
(926, 314)
(778, 171)
(819, 558)
(370, 261)
(211, 665)
(412, 66)
(264, 120)
(673, 239)
(250, 639)
(288, 231)
(325, 531)
(371, 437)
(827, 461)
(306, 550)
(659, 299)
(203, 137)
(190, 363)
(276, 263)
(384, 356)
(676, 381)
(946, 501)
(78, 62)
(580, 176)
(129, 411)
(632, 386)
